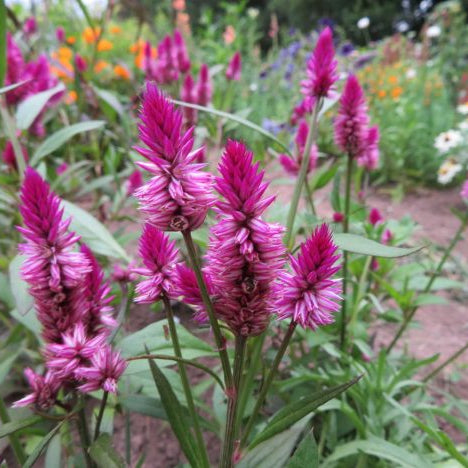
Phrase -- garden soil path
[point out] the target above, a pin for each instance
(440, 328)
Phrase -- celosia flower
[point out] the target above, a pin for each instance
(44, 388)
(293, 166)
(370, 156)
(9, 157)
(309, 295)
(179, 195)
(165, 69)
(464, 191)
(160, 257)
(30, 26)
(375, 216)
(188, 95)
(303, 108)
(53, 270)
(61, 168)
(351, 122)
(203, 89)
(233, 71)
(181, 54)
(97, 315)
(60, 34)
(80, 63)
(106, 368)
(387, 236)
(321, 68)
(123, 274)
(74, 352)
(338, 217)
(245, 253)
(134, 182)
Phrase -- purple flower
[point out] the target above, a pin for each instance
(346, 49)
(53, 269)
(309, 295)
(44, 390)
(351, 123)
(160, 257)
(179, 194)
(106, 368)
(233, 71)
(321, 68)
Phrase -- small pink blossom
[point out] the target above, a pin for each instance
(387, 236)
(375, 216)
(60, 34)
(338, 217)
(464, 191)
(180, 52)
(134, 182)
(370, 156)
(9, 157)
(44, 388)
(61, 168)
(30, 26)
(80, 63)
(233, 71)
(123, 274)
(203, 89)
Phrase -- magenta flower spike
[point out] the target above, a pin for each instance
(370, 157)
(321, 68)
(44, 390)
(234, 69)
(351, 122)
(203, 89)
(188, 94)
(160, 258)
(80, 63)
(9, 157)
(180, 52)
(53, 269)
(375, 216)
(30, 26)
(309, 295)
(179, 194)
(60, 34)
(464, 190)
(106, 368)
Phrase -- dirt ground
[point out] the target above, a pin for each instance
(440, 328)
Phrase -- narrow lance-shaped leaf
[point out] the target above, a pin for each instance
(306, 453)
(36, 453)
(14, 426)
(104, 454)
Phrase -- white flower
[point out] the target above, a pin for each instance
(463, 108)
(463, 125)
(253, 87)
(448, 140)
(363, 23)
(411, 73)
(448, 171)
(252, 12)
(433, 31)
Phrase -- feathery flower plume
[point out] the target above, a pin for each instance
(203, 89)
(303, 108)
(30, 26)
(53, 270)
(180, 52)
(80, 63)
(351, 122)
(370, 157)
(387, 236)
(60, 34)
(309, 295)
(44, 390)
(179, 194)
(292, 166)
(106, 368)
(375, 216)
(245, 253)
(134, 181)
(233, 71)
(321, 68)
(338, 217)
(188, 94)
(9, 157)
(160, 257)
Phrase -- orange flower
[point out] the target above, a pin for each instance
(104, 45)
(71, 97)
(382, 93)
(178, 5)
(65, 53)
(71, 40)
(140, 60)
(229, 35)
(392, 79)
(121, 72)
(396, 92)
(91, 35)
(183, 22)
(115, 29)
(100, 65)
(137, 47)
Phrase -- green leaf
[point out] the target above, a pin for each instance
(306, 453)
(291, 413)
(237, 119)
(93, 232)
(19, 287)
(3, 45)
(429, 299)
(362, 245)
(30, 321)
(104, 454)
(110, 99)
(144, 405)
(54, 452)
(275, 452)
(175, 413)
(14, 426)
(32, 106)
(36, 453)
(379, 448)
(7, 362)
(323, 176)
(57, 139)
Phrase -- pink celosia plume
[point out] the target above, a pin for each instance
(375, 216)
(370, 156)
(234, 69)
(203, 89)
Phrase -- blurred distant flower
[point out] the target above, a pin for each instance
(80, 63)
(233, 71)
(71, 97)
(447, 171)
(115, 29)
(91, 35)
(375, 217)
(8, 155)
(134, 181)
(71, 40)
(61, 169)
(30, 26)
(104, 45)
(100, 65)
(463, 125)
(464, 191)
(178, 5)
(433, 31)
(387, 236)
(123, 274)
(346, 49)
(326, 22)
(363, 60)
(60, 34)
(121, 71)
(338, 217)
(463, 108)
(274, 26)
(411, 73)
(229, 34)
(252, 12)
(402, 26)
(363, 23)
(370, 157)
(272, 126)
(448, 140)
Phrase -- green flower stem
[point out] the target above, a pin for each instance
(448, 361)
(349, 175)
(219, 339)
(266, 385)
(310, 197)
(14, 441)
(361, 292)
(10, 128)
(231, 418)
(185, 381)
(433, 277)
(311, 136)
(84, 435)
(100, 415)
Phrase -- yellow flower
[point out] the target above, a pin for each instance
(121, 72)
(91, 35)
(71, 97)
(104, 45)
(115, 29)
(100, 65)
